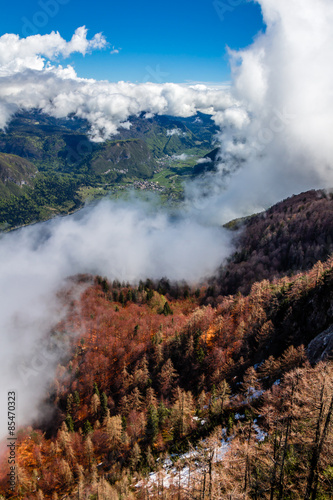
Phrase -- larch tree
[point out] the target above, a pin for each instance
(113, 428)
(95, 404)
(167, 377)
(135, 456)
(183, 410)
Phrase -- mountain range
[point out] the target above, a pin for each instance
(36, 146)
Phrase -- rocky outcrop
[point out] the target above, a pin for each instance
(321, 347)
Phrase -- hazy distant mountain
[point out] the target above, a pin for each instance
(54, 158)
(63, 144)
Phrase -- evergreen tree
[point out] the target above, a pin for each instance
(87, 428)
(104, 405)
(152, 424)
(167, 309)
(77, 399)
(69, 423)
(95, 390)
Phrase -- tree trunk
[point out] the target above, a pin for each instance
(247, 477)
(320, 447)
(204, 487)
(314, 457)
(275, 458)
(285, 447)
(210, 475)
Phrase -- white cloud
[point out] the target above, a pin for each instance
(29, 78)
(57, 92)
(18, 54)
(280, 131)
(182, 157)
(128, 241)
(115, 51)
(176, 131)
(204, 160)
(118, 240)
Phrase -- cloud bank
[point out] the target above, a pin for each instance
(31, 77)
(19, 54)
(118, 240)
(279, 142)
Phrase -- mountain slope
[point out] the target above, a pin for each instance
(208, 163)
(62, 152)
(143, 379)
(290, 236)
(130, 158)
(63, 144)
(167, 135)
(15, 172)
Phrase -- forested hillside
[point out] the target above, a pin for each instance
(63, 144)
(15, 173)
(61, 151)
(161, 396)
(289, 237)
(131, 157)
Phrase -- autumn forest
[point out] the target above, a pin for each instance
(222, 390)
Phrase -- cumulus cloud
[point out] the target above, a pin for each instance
(118, 240)
(18, 54)
(106, 106)
(276, 139)
(30, 78)
(175, 131)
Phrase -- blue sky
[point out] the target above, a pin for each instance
(178, 40)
